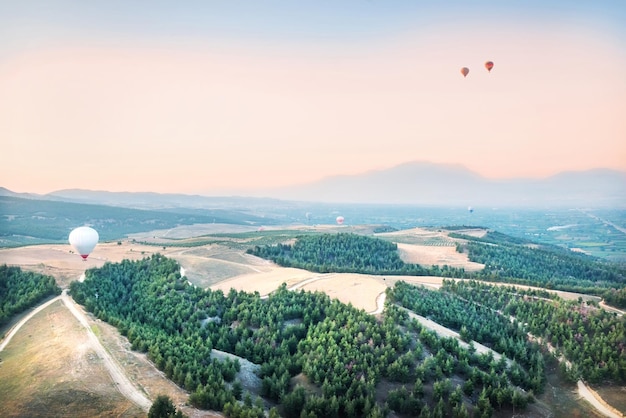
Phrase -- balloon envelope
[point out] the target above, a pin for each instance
(465, 71)
(470, 209)
(340, 220)
(489, 65)
(84, 240)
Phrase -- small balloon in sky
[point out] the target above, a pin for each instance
(465, 71)
(489, 65)
(84, 240)
(340, 220)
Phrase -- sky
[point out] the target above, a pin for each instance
(215, 97)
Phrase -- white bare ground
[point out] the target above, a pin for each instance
(247, 373)
(473, 232)
(448, 333)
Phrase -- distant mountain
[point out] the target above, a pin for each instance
(420, 183)
(6, 192)
(414, 183)
(150, 200)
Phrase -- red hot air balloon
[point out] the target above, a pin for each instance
(465, 71)
(489, 65)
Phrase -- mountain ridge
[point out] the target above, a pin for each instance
(411, 183)
(442, 184)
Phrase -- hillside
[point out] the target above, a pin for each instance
(242, 313)
(32, 221)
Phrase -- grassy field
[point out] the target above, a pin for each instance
(50, 366)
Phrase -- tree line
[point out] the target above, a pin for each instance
(519, 261)
(506, 259)
(592, 339)
(340, 253)
(479, 323)
(20, 290)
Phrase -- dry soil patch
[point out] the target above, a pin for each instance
(427, 255)
(50, 365)
(360, 290)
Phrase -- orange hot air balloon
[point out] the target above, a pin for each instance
(489, 65)
(465, 71)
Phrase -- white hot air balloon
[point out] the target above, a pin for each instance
(84, 240)
(340, 220)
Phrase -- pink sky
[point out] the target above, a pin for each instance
(210, 116)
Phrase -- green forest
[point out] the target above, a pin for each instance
(20, 290)
(316, 356)
(506, 259)
(358, 365)
(592, 339)
(512, 321)
(519, 261)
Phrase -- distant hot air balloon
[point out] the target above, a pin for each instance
(465, 71)
(470, 209)
(489, 65)
(84, 240)
(340, 220)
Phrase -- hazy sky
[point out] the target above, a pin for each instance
(217, 96)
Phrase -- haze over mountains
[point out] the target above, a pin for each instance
(414, 183)
(421, 183)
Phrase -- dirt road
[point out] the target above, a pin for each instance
(17, 326)
(120, 380)
(599, 404)
(124, 385)
(444, 332)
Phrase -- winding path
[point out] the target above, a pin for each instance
(19, 325)
(311, 280)
(122, 383)
(597, 402)
(583, 390)
(120, 380)
(380, 303)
